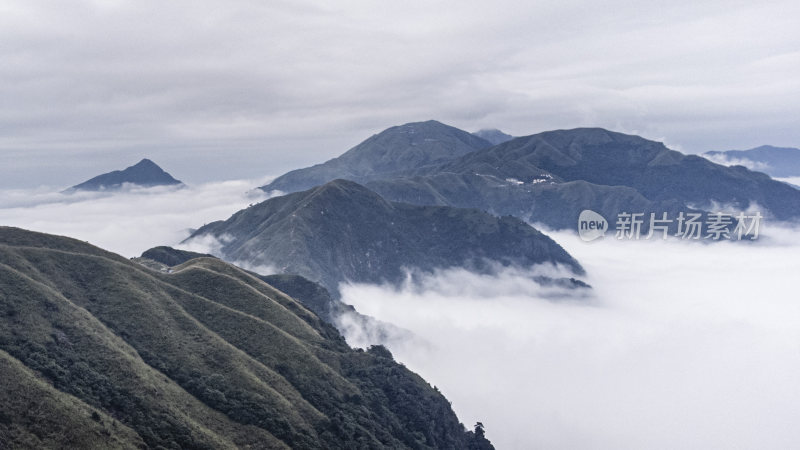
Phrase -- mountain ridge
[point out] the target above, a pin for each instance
(205, 357)
(586, 168)
(342, 231)
(550, 177)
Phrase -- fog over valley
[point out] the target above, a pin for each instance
(680, 345)
(677, 344)
(129, 221)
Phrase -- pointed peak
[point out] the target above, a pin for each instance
(143, 173)
(147, 162)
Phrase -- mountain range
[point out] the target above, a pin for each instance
(178, 349)
(550, 177)
(342, 231)
(775, 161)
(145, 173)
(462, 208)
(97, 351)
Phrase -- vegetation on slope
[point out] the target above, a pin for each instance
(206, 357)
(342, 231)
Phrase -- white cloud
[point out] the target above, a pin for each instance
(683, 345)
(728, 161)
(205, 243)
(794, 181)
(130, 221)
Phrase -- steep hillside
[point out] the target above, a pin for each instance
(115, 355)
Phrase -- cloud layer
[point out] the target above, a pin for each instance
(725, 160)
(682, 346)
(247, 87)
(130, 221)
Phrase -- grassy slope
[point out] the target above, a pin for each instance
(207, 357)
(35, 415)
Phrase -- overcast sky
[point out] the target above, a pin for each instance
(236, 88)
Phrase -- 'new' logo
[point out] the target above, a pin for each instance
(591, 225)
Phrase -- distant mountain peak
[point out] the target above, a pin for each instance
(493, 135)
(775, 148)
(144, 173)
(396, 149)
(595, 135)
(429, 122)
(146, 163)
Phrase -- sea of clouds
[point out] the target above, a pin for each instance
(680, 345)
(128, 221)
(677, 345)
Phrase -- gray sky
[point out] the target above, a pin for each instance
(233, 89)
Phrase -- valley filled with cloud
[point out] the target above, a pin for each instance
(128, 221)
(677, 345)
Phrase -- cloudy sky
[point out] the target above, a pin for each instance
(244, 89)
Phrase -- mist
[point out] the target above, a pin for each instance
(794, 181)
(131, 220)
(725, 160)
(679, 345)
